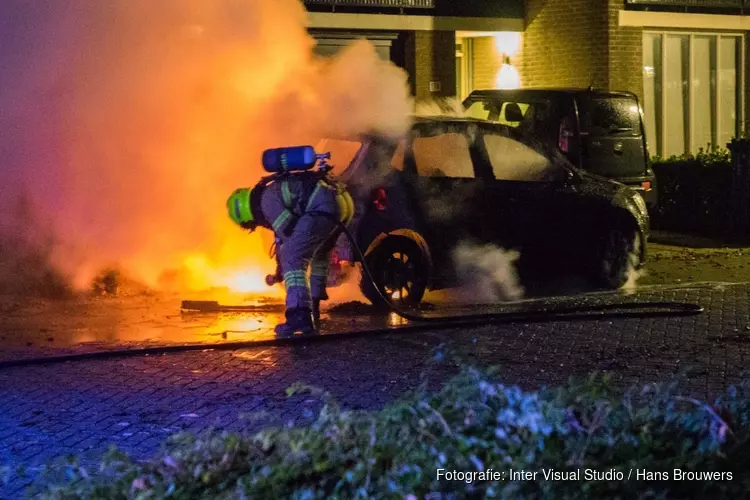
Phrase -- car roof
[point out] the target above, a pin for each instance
(549, 91)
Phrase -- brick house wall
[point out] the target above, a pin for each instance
(625, 65)
(746, 80)
(563, 43)
(577, 43)
(487, 62)
(430, 56)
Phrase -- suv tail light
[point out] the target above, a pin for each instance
(646, 185)
(380, 199)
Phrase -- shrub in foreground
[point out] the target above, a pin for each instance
(473, 424)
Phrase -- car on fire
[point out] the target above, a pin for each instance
(462, 180)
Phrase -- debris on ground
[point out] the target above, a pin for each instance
(356, 307)
(353, 307)
(112, 282)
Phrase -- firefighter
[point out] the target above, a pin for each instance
(304, 210)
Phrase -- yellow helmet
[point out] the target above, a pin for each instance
(239, 207)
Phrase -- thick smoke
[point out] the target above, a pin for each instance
(125, 124)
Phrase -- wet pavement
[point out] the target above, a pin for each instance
(37, 326)
(135, 402)
(34, 329)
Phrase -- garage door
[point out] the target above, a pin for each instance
(328, 46)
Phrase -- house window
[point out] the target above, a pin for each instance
(464, 65)
(692, 90)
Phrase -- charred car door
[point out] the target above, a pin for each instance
(449, 187)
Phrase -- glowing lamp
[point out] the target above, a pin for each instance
(508, 42)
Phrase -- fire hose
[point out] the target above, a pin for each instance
(643, 309)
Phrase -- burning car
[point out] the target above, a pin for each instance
(457, 180)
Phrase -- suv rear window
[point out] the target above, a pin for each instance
(497, 111)
(483, 110)
(610, 116)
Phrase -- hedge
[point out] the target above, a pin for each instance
(694, 193)
(475, 423)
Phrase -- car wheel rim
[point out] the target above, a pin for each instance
(613, 258)
(399, 276)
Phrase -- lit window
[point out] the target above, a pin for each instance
(692, 91)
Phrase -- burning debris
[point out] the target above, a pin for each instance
(114, 282)
(106, 283)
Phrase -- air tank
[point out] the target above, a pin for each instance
(296, 158)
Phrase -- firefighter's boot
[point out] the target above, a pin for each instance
(297, 320)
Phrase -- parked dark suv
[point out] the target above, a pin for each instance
(456, 180)
(598, 131)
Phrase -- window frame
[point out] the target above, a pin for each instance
(423, 131)
(692, 34)
(465, 58)
(481, 139)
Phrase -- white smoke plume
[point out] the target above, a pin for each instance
(634, 274)
(127, 123)
(488, 273)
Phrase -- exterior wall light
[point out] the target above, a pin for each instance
(508, 44)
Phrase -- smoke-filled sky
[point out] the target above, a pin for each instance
(125, 124)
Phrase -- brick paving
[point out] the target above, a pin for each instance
(134, 403)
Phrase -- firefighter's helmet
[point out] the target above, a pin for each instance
(239, 207)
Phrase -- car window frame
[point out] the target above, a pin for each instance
(554, 156)
(445, 127)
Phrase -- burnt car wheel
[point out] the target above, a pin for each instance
(618, 255)
(400, 270)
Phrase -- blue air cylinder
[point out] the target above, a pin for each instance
(290, 159)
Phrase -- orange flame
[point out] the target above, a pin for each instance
(153, 115)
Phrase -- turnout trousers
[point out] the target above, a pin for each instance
(304, 252)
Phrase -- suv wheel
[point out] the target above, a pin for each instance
(618, 255)
(400, 270)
